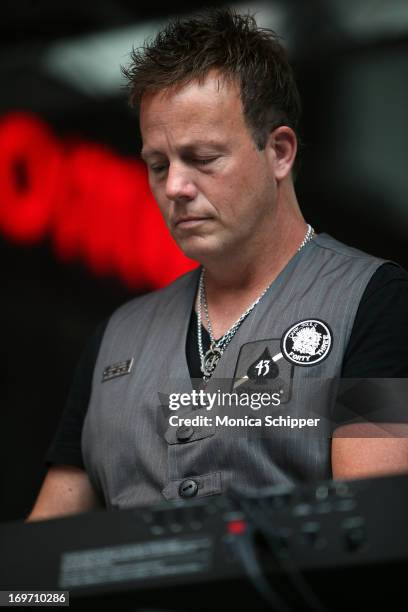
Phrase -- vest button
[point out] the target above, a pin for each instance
(184, 433)
(188, 488)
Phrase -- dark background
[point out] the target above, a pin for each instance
(351, 61)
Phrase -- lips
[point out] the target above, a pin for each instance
(188, 220)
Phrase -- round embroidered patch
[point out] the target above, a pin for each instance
(307, 342)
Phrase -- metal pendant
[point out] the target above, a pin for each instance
(211, 358)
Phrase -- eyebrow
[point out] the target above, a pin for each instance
(184, 149)
(145, 153)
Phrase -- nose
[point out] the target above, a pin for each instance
(179, 183)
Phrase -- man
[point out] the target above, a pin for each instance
(219, 111)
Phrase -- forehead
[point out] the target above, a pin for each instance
(210, 107)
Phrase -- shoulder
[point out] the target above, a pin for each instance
(378, 345)
(333, 247)
(386, 292)
(150, 302)
(389, 277)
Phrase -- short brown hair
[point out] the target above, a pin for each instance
(187, 49)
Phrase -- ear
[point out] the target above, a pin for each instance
(282, 145)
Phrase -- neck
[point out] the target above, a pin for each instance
(235, 282)
(259, 262)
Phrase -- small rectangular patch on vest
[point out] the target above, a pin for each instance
(117, 369)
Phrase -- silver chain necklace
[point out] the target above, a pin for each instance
(211, 358)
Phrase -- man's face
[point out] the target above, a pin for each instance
(215, 189)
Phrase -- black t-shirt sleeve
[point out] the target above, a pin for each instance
(376, 357)
(65, 448)
(378, 345)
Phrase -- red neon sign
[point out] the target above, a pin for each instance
(95, 205)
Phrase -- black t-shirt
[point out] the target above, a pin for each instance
(378, 348)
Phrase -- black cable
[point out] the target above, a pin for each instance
(271, 534)
(244, 548)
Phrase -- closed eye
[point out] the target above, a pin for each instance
(158, 168)
(204, 161)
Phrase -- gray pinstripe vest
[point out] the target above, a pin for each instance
(132, 455)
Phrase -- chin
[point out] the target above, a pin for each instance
(200, 249)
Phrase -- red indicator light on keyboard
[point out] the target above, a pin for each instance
(236, 527)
